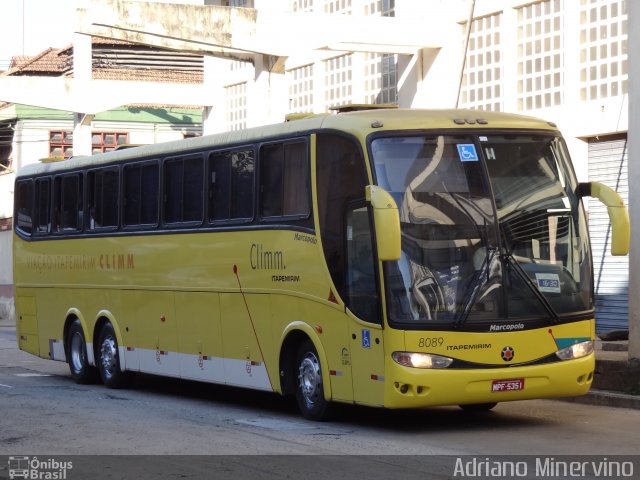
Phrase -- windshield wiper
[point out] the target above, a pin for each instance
(531, 285)
(480, 279)
(483, 277)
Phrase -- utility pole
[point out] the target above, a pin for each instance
(634, 190)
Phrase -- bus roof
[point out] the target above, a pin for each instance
(359, 122)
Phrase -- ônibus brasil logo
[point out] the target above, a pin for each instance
(32, 468)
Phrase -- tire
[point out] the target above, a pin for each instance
(309, 384)
(108, 358)
(81, 372)
(478, 407)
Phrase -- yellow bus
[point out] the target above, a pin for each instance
(384, 257)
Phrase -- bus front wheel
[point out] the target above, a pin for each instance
(309, 383)
(478, 407)
(81, 371)
(109, 359)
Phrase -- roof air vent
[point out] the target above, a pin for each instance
(357, 107)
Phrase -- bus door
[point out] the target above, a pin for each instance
(363, 307)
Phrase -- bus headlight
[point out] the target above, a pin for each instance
(577, 350)
(421, 360)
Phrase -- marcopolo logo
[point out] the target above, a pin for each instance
(508, 327)
(36, 469)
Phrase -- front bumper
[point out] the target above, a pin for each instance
(408, 387)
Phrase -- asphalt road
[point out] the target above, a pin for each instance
(259, 435)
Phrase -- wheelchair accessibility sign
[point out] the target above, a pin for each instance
(366, 338)
(467, 152)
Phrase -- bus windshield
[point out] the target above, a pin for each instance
(492, 231)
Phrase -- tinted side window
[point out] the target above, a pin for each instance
(183, 190)
(42, 204)
(141, 194)
(341, 178)
(67, 203)
(361, 292)
(24, 206)
(231, 180)
(284, 180)
(102, 198)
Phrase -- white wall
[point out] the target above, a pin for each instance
(6, 263)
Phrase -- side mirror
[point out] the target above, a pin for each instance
(618, 215)
(387, 222)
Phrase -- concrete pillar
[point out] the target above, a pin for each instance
(410, 74)
(509, 29)
(214, 107)
(357, 78)
(319, 75)
(634, 172)
(82, 133)
(445, 61)
(267, 95)
(82, 78)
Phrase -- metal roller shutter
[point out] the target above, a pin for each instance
(608, 164)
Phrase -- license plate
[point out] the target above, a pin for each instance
(510, 385)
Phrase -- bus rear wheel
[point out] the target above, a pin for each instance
(109, 359)
(309, 383)
(81, 371)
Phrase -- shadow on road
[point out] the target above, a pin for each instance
(264, 403)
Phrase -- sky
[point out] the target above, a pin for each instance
(31, 26)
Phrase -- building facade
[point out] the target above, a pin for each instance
(562, 60)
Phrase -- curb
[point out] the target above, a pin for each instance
(607, 398)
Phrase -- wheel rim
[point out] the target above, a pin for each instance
(78, 358)
(109, 356)
(310, 379)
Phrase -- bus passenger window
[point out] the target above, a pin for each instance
(193, 184)
(67, 205)
(24, 206)
(42, 204)
(183, 190)
(284, 180)
(102, 199)
(141, 194)
(231, 179)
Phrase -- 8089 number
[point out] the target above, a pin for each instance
(428, 342)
